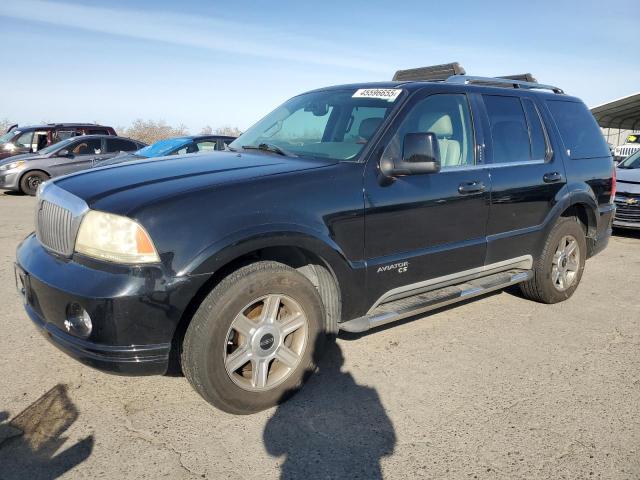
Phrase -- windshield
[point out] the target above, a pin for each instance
(632, 161)
(334, 124)
(8, 136)
(56, 146)
(162, 147)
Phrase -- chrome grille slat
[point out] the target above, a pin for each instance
(54, 227)
(58, 216)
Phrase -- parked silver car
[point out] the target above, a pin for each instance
(628, 193)
(24, 173)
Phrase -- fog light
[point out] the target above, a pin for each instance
(78, 321)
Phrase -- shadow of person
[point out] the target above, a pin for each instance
(334, 428)
(29, 443)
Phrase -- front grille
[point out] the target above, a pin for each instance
(54, 227)
(626, 211)
(626, 151)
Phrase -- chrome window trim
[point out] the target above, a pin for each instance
(492, 165)
(524, 262)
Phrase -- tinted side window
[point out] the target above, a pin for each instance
(97, 131)
(536, 131)
(449, 118)
(509, 129)
(578, 129)
(120, 144)
(91, 146)
(64, 134)
(24, 140)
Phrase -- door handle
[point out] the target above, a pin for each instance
(471, 187)
(552, 177)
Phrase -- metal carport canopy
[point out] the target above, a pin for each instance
(623, 113)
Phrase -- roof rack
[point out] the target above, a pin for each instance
(498, 82)
(432, 73)
(525, 77)
(455, 73)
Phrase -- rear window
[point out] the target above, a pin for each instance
(579, 131)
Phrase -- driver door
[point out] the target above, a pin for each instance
(423, 227)
(80, 156)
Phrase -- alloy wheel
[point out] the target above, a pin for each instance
(566, 263)
(265, 342)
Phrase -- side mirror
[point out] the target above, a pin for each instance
(64, 153)
(420, 154)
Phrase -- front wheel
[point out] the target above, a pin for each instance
(30, 182)
(558, 270)
(255, 338)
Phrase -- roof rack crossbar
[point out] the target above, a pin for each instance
(466, 79)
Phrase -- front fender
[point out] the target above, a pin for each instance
(350, 275)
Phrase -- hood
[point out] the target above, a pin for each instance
(120, 158)
(22, 156)
(628, 180)
(126, 186)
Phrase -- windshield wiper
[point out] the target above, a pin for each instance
(270, 147)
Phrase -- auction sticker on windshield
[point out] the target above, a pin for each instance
(389, 94)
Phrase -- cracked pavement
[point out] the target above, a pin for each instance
(499, 387)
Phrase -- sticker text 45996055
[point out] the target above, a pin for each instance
(389, 94)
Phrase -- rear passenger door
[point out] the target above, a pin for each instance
(526, 175)
(420, 228)
(113, 147)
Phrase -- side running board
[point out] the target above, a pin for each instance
(408, 307)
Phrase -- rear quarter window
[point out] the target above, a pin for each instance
(579, 131)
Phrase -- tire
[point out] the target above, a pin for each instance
(30, 181)
(547, 285)
(219, 338)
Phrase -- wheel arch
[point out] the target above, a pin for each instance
(585, 214)
(321, 264)
(31, 170)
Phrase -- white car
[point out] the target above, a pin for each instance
(631, 146)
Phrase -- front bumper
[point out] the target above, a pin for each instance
(627, 225)
(627, 211)
(10, 179)
(134, 310)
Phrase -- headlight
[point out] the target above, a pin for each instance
(12, 165)
(114, 238)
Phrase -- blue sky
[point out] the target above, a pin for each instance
(228, 63)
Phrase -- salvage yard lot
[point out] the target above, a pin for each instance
(499, 387)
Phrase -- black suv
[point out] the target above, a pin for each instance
(346, 208)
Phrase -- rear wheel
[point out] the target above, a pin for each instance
(255, 338)
(558, 270)
(30, 181)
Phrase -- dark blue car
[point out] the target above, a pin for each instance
(173, 146)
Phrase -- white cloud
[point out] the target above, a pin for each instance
(194, 31)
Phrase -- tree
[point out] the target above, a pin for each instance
(150, 131)
(206, 130)
(229, 131)
(4, 125)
